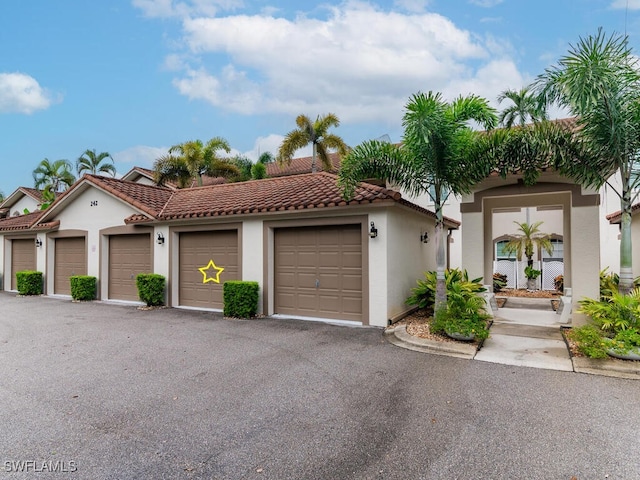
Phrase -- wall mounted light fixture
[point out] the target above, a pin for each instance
(373, 232)
(424, 238)
(38, 242)
(160, 239)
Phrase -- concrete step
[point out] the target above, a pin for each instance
(532, 331)
(528, 303)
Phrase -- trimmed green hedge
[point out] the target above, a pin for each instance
(240, 298)
(83, 287)
(29, 282)
(150, 288)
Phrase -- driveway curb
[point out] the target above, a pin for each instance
(398, 336)
(605, 367)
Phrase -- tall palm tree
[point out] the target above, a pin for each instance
(95, 163)
(433, 158)
(315, 133)
(56, 175)
(598, 80)
(190, 160)
(523, 243)
(526, 107)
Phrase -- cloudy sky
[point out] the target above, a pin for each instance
(133, 77)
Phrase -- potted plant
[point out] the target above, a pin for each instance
(616, 322)
(464, 318)
(532, 274)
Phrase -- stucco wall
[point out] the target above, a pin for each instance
(24, 202)
(91, 211)
(408, 258)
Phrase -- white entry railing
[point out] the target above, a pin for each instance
(514, 270)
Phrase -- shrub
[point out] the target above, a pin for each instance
(29, 282)
(589, 341)
(83, 287)
(558, 283)
(240, 298)
(425, 293)
(464, 314)
(499, 281)
(150, 288)
(617, 312)
(624, 341)
(609, 284)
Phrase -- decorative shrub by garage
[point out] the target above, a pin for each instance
(29, 282)
(240, 298)
(83, 287)
(151, 288)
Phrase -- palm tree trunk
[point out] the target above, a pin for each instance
(626, 274)
(441, 289)
(313, 158)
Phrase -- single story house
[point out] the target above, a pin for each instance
(313, 254)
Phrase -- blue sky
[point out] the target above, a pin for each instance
(133, 77)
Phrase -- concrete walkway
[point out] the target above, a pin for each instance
(527, 333)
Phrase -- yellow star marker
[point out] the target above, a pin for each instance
(211, 278)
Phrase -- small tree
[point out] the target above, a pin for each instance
(314, 133)
(523, 244)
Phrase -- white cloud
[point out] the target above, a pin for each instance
(173, 8)
(140, 155)
(21, 93)
(360, 62)
(489, 81)
(623, 4)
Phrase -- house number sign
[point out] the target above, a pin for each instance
(94, 203)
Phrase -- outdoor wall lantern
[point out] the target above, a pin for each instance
(160, 239)
(424, 238)
(38, 242)
(373, 232)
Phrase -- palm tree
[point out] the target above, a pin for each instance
(433, 158)
(526, 108)
(266, 158)
(524, 242)
(94, 163)
(317, 134)
(598, 80)
(54, 175)
(190, 160)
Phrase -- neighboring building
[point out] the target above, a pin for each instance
(22, 200)
(313, 254)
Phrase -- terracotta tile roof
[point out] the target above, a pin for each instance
(149, 198)
(29, 192)
(301, 165)
(616, 217)
(20, 222)
(300, 192)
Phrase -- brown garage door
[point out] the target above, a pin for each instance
(23, 257)
(209, 251)
(70, 259)
(129, 255)
(318, 272)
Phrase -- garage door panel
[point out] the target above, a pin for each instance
(197, 250)
(319, 254)
(70, 259)
(129, 255)
(23, 257)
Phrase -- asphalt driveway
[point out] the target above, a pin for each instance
(109, 391)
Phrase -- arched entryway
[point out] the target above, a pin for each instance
(580, 227)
